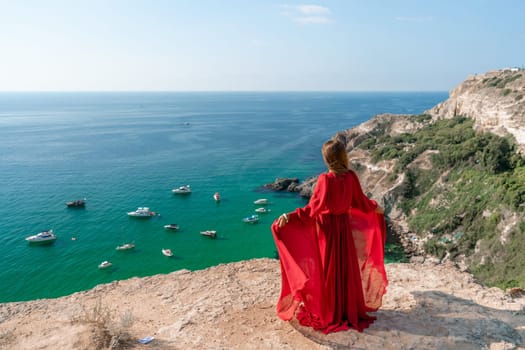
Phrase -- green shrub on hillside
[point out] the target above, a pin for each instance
(509, 79)
(475, 178)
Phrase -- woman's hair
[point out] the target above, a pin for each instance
(335, 157)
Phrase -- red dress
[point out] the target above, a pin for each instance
(331, 255)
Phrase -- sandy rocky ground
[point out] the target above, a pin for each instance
(231, 306)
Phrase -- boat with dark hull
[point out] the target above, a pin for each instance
(79, 203)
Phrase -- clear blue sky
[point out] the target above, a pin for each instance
(205, 45)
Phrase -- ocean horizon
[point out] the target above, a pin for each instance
(123, 150)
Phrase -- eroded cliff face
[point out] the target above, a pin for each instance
(495, 100)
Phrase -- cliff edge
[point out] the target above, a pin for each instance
(231, 306)
(495, 100)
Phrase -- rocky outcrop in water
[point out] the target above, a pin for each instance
(283, 183)
(293, 185)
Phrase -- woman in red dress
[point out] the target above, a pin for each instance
(331, 252)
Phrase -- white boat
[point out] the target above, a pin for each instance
(43, 237)
(142, 212)
(217, 197)
(261, 201)
(252, 219)
(186, 189)
(104, 265)
(209, 233)
(125, 246)
(262, 210)
(167, 252)
(173, 227)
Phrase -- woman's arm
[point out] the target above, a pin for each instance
(314, 206)
(317, 200)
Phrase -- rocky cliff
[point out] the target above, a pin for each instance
(451, 190)
(495, 100)
(452, 180)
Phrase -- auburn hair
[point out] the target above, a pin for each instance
(335, 157)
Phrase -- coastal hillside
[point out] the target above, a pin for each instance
(495, 100)
(232, 306)
(452, 180)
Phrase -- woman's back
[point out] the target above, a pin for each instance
(341, 193)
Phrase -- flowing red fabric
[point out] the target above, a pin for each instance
(331, 255)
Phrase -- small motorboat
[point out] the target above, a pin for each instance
(217, 197)
(262, 210)
(79, 203)
(252, 219)
(142, 212)
(104, 265)
(173, 227)
(44, 237)
(209, 233)
(186, 189)
(261, 201)
(167, 252)
(125, 246)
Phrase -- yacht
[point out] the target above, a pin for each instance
(44, 237)
(76, 203)
(252, 219)
(142, 212)
(261, 201)
(186, 189)
(209, 233)
(125, 246)
(173, 227)
(104, 265)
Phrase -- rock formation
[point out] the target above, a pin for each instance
(495, 100)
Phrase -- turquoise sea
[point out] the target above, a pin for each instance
(125, 150)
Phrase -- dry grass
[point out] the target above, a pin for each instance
(110, 331)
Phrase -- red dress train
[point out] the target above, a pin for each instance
(331, 255)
